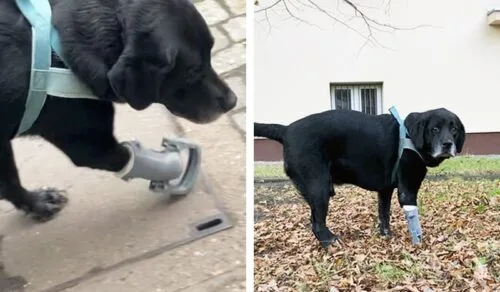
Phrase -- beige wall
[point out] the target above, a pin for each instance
(455, 63)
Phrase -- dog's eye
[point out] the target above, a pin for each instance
(435, 130)
(193, 75)
(454, 129)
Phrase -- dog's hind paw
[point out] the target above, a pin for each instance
(45, 203)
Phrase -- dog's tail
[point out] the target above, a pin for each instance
(274, 132)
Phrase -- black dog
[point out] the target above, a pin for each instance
(339, 147)
(127, 51)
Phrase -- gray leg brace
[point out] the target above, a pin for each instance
(150, 164)
(411, 215)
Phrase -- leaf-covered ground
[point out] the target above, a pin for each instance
(460, 251)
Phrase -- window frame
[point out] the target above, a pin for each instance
(356, 99)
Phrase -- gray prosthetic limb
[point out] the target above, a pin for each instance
(163, 168)
(411, 214)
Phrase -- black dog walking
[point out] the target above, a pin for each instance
(348, 147)
(137, 52)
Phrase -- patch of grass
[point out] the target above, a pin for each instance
(470, 165)
(495, 193)
(389, 273)
(269, 170)
(324, 270)
(482, 260)
(441, 197)
(481, 208)
(405, 256)
(421, 206)
(412, 268)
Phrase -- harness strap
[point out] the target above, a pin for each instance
(45, 79)
(40, 59)
(404, 142)
(63, 83)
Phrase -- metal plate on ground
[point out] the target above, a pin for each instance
(107, 221)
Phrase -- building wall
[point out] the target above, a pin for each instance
(452, 61)
(475, 143)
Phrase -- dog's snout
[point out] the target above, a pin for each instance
(227, 102)
(447, 144)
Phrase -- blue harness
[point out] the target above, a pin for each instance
(46, 80)
(404, 141)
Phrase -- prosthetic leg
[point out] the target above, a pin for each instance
(411, 215)
(164, 169)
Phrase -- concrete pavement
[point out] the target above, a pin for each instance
(116, 236)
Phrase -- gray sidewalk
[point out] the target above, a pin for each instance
(213, 263)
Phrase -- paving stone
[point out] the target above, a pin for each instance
(229, 59)
(236, 28)
(198, 267)
(221, 41)
(212, 11)
(237, 7)
(240, 120)
(231, 282)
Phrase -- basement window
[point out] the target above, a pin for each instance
(363, 97)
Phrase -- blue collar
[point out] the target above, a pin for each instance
(46, 80)
(404, 141)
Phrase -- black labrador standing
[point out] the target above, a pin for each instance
(339, 147)
(127, 51)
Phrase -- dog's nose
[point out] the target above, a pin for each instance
(227, 102)
(447, 144)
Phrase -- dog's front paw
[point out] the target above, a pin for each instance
(385, 232)
(44, 204)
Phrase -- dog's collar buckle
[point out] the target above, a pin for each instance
(404, 141)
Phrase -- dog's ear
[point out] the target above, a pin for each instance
(137, 80)
(416, 123)
(460, 139)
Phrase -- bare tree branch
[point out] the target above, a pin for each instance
(305, 4)
(369, 20)
(269, 7)
(331, 16)
(370, 23)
